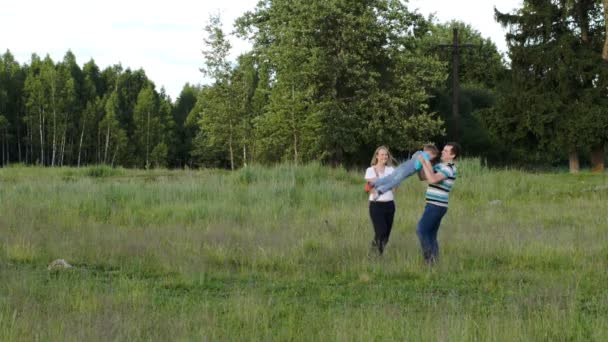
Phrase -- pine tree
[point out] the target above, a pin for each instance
(554, 101)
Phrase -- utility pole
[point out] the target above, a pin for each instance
(456, 46)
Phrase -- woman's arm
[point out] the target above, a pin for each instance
(370, 175)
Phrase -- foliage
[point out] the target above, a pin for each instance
(325, 81)
(219, 119)
(480, 70)
(184, 133)
(346, 75)
(552, 99)
(101, 171)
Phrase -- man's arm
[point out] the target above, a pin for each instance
(431, 176)
(421, 175)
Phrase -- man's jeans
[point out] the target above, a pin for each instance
(427, 231)
(401, 172)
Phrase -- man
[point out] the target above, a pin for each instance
(441, 178)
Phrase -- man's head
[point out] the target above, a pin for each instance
(450, 152)
(432, 150)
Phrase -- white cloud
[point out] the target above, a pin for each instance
(477, 13)
(164, 38)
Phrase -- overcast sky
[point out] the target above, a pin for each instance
(165, 38)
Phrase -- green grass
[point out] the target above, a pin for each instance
(280, 254)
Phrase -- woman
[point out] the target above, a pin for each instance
(381, 208)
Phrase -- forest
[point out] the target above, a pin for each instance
(328, 81)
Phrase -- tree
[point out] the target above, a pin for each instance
(605, 49)
(37, 104)
(186, 101)
(167, 135)
(345, 75)
(4, 126)
(60, 114)
(556, 92)
(70, 104)
(12, 79)
(89, 120)
(159, 155)
(219, 121)
(480, 70)
(146, 122)
(115, 138)
(92, 113)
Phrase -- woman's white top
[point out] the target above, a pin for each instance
(370, 174)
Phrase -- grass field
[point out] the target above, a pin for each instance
(281, 254)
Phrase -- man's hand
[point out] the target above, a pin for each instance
(421, 175)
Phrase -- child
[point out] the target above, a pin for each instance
(406, 169)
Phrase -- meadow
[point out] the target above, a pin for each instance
(280, 253)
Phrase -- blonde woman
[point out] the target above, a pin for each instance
(381, 208)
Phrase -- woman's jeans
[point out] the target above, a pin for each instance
(427, 231)
(401, 172)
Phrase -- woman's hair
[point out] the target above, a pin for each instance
(390, 160)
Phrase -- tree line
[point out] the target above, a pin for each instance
(328, 81)
(57, 113)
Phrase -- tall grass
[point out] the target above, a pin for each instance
(280, 253)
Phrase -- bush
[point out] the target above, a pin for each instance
(102, 171)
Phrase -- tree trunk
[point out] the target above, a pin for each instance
(3, 156)
(54, 145)
(18, 141)
(295, 139)
(244, 155)
(63, 143)
(456, 87)
(84, 121)
(582, 9)
(605, 50)
(148, 142)
(105, 154)
(8, 151)
(597, 158)
(574, 163)
(98, 147)
(597, 152)
(337, 156)
(28, 141)
(230, 147)
(295, 133)
(114, 155)
(41, 126)
(4, 149)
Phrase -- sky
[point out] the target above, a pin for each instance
(165, 39)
